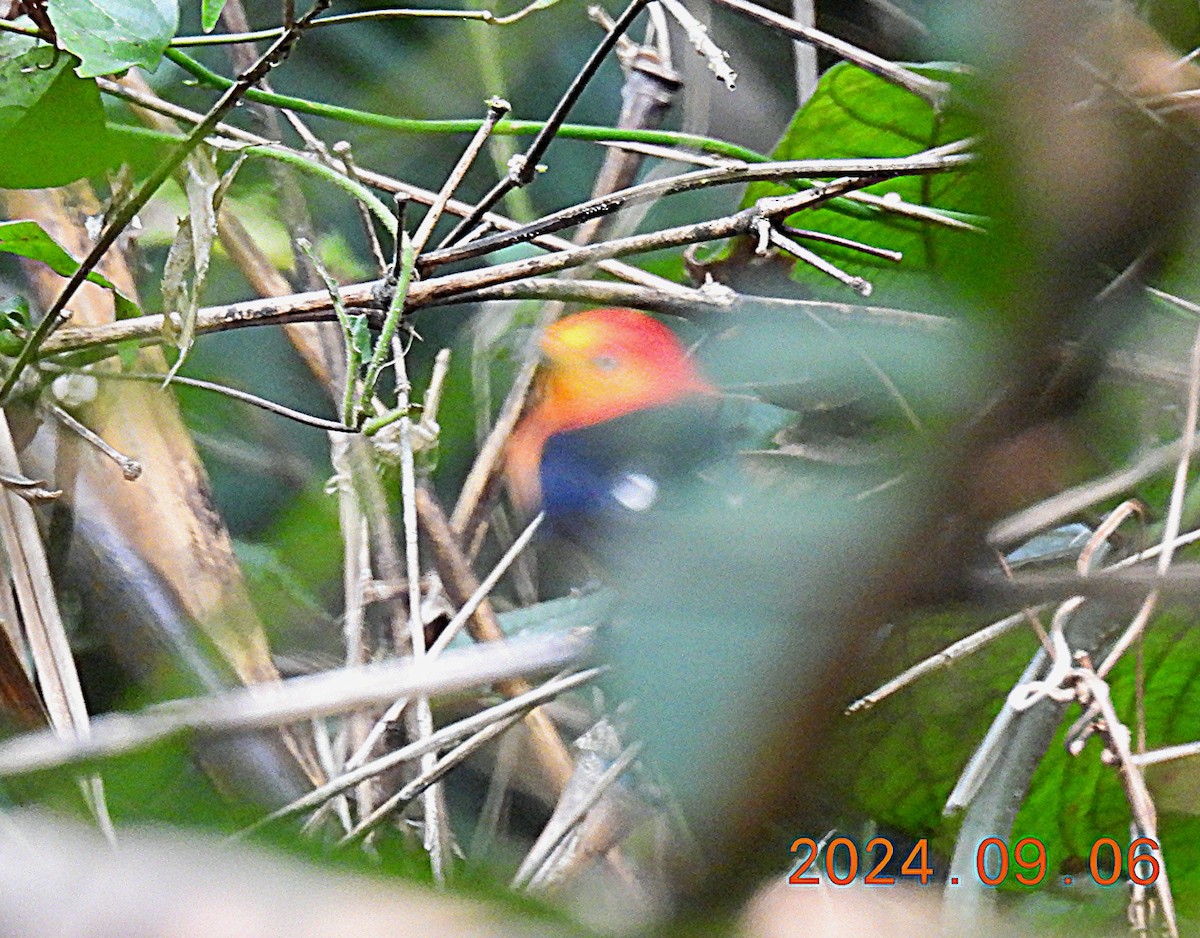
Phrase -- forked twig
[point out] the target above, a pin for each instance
(524, 167)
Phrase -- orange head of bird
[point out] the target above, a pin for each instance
(598, 365)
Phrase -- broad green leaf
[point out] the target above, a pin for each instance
(29, 239)
(210, 12)
(52, 128)
(855, 114)
(897, 762)
(110, 37)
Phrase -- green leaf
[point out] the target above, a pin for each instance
(857, 115)
(14, 318)
(45, 114)
(110, 37)
(897, 762)
(210, 11)
(29, 239)
(360, 335)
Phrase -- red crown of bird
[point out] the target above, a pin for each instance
(598, 365)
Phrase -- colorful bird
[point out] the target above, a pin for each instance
(619, 407)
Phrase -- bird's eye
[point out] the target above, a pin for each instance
(605, 362)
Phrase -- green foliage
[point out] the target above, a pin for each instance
(14, 319)
(29, 239)
(51, 123)
(855, 114)
(210, 12)
(898, 761)
(112, 36)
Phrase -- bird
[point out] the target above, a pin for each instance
(620, 410)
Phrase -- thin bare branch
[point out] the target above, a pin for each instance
(432, 771)
(344, 152)
(131, 469)
(447, 635)
(943, 659)
(380, 181)
(697, 34)
(937, 93)
(447, 735)
(484, 627)
(246, 397)
(497, 108)
(1174, 514)
(859, 285)
(299, 698)
(551, 839)
(940, 159)
(524, 167)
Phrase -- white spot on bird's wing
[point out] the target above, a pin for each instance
(635, 491)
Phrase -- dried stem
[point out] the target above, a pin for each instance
(131, 469)
(940, 159)
(447, 635)
(447, 735)
(497, 108)
(296, 699)
(1174, 514)
(483, 626)
(437, 836)
(49, 647)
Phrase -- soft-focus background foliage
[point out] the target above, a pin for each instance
(842, 546)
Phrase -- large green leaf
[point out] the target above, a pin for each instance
(52, 128)
(855, 114)
(29, 239)
(898, 762)
(110, 37)
(1075, 801)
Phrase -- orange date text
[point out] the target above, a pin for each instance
(839, 861)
